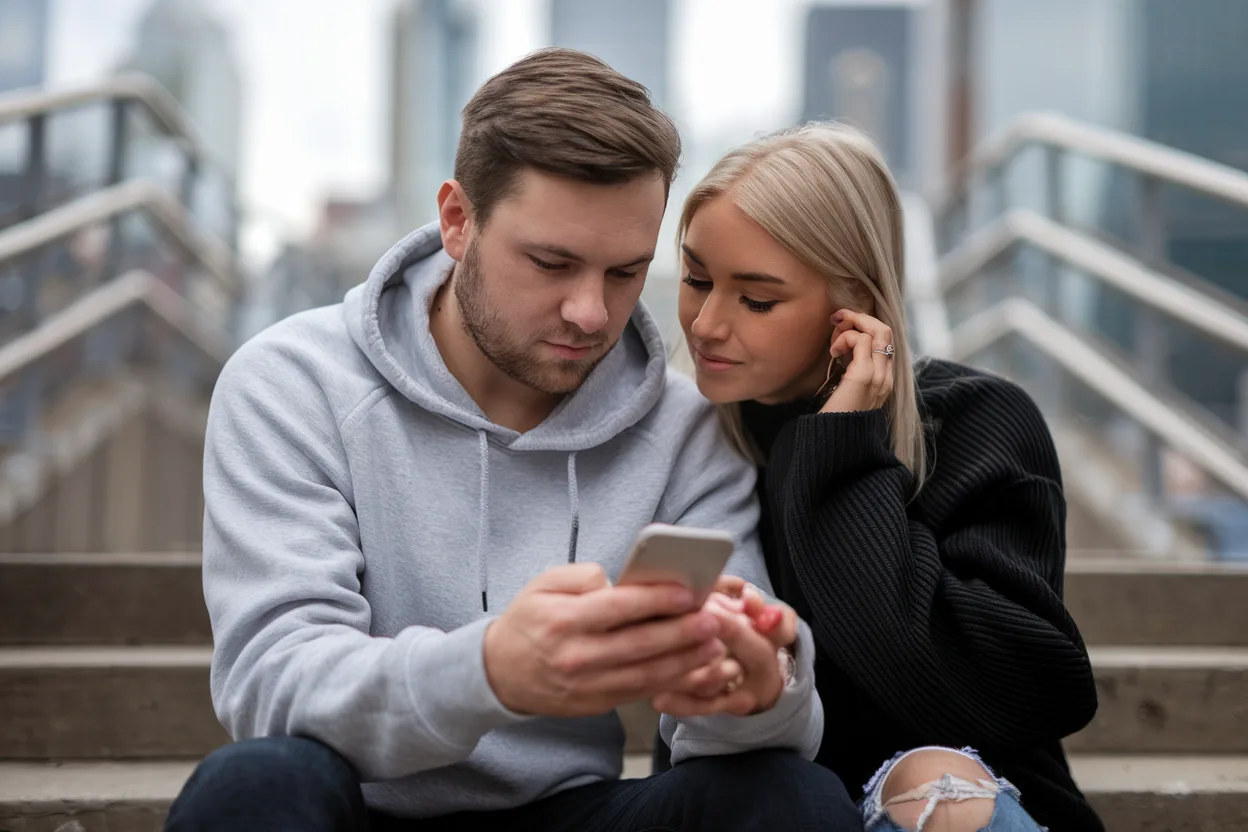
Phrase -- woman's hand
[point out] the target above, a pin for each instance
(868, 380)
(776, 621)
(755, 689)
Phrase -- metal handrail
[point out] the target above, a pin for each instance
(1141, 155)
(109, 203)
(130, 86)
(1100, 261)
(1024, 319)
(135, 288)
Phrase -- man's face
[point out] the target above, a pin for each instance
(548, 285)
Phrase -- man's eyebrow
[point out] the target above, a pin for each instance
(560, 251)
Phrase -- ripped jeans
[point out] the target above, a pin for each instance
(1007, 814)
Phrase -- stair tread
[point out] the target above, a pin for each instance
(85, 782)
(161, 780)
(180, 559)
(109, 656)
(1165, 773)
(1168, 657)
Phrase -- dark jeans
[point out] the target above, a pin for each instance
(295, 784)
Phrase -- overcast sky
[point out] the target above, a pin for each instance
(315, 81)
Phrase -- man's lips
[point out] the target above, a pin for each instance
(570, 350)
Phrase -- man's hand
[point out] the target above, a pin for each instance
(570, 644)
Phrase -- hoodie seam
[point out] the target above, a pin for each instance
(417, 704)
(364, 404)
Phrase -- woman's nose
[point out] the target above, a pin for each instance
(709, 325)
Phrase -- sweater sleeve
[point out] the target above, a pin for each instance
(713, 487)
(947, 609)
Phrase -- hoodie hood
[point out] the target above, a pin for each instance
(388, 318)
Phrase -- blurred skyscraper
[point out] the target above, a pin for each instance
(630, 35)
(23, 43)
(859, 63)
(434, 61)
(188, 51)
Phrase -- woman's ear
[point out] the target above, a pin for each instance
(454, 218)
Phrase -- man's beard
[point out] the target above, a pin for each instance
(494, 337)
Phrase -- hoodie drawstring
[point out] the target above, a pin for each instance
(483, 524)
(575, 507)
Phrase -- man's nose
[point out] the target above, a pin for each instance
(586, 307)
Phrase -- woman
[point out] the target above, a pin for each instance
(914, 516)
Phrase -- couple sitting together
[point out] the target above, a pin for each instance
(417, 500)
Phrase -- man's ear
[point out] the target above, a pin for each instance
(454, 218)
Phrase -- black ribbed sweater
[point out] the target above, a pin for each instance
(938, 620)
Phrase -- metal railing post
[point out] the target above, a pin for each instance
(118, 134)
(1151, 336)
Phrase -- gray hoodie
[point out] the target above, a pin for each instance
(361, 511)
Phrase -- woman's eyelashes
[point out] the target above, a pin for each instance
(760, 306)
(693, 282)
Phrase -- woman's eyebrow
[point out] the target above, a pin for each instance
(689, 253)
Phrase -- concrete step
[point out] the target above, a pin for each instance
(1132, 794)
(106, 702)
(1166, 794)
(1134, 602)
(1175, 700)
(98, 797)
(87, 599)
(158, 599)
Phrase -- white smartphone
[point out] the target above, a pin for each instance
(691, 557)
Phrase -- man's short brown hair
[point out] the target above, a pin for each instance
(563, 112)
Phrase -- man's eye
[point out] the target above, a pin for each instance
(542, 264)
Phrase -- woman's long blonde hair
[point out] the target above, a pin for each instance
(824, 192)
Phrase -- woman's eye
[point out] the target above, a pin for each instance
(542, 264)
(758, 305)
(693, 283)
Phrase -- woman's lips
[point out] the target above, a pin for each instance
(713, 363)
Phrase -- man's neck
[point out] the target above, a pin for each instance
(501, 398)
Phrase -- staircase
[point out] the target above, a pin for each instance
(104, 692)
(107, 364)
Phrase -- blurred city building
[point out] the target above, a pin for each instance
(433, 74)
(184, 47)
(860, 62)
(634, 37)
(23, 43)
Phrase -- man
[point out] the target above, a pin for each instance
(413, 501)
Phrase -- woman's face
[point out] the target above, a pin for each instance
(757, 320)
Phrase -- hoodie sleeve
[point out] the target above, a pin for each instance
(282, 567)
(713, 487)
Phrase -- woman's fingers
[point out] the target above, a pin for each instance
(730, 585)
(881, 339)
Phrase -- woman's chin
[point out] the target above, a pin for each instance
(717, 392)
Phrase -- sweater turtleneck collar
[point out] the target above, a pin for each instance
(764, 421)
